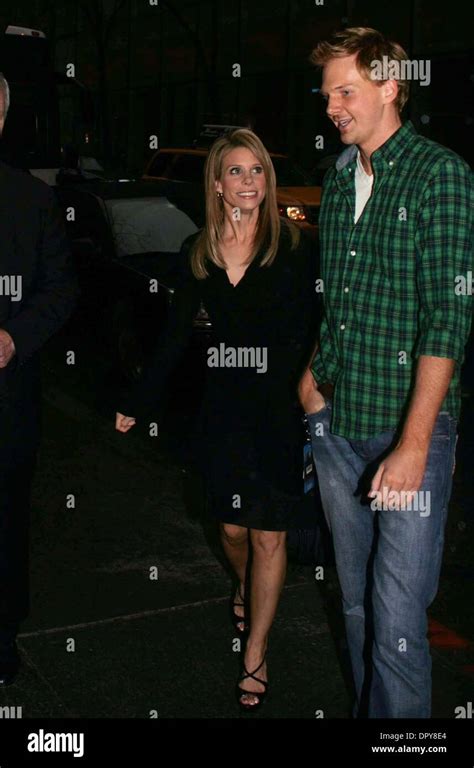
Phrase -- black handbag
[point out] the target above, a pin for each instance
(310, 543)
(311, 546)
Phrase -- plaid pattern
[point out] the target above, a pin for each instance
(389, 279)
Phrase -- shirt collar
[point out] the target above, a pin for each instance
(387, 154)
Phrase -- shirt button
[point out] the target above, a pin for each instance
(343, 327)
(353, 253)
(390, 162)
(346, 290)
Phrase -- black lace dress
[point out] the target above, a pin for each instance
(249, 437)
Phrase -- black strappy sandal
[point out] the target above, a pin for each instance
(259, 695)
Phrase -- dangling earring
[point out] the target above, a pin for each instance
(220, 195)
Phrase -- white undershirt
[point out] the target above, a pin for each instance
(363, 187)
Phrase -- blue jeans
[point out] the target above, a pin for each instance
(388, 563)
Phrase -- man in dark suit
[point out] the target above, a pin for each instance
(37, 294)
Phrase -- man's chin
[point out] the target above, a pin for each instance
(346, 139)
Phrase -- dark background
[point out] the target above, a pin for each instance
(164, 70)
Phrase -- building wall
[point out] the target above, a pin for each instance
(169, 68)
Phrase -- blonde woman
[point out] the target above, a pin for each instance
(255, 275)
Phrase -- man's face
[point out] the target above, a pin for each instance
(357, 106)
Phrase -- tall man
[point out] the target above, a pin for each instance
(383, 390)
(37, 294)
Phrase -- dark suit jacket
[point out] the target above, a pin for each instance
(33, 246)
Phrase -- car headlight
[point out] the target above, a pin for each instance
(293, 212)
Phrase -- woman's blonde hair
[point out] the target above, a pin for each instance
(207, 244)
(370, 46)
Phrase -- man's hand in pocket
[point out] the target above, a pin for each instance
(310, 397)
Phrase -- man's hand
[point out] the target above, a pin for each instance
(403, 469)
(7, 348)
(123, 423)
(310, 397)
(401, 473)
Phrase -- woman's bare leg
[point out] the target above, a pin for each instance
(266, 582)
(235, 541)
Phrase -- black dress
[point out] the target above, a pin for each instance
(249, 436)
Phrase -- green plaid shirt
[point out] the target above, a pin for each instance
(393, 281)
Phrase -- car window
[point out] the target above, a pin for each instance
(147, 225)
(161, 162)
(189, 168)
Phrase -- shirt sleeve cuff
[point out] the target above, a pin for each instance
(317, 369)
(441, 342)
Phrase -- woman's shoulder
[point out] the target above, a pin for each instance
(192, 256)
(184, 269)
(187, 244)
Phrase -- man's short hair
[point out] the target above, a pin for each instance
(5, 91)
(369, 45)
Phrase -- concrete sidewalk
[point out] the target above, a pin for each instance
(104, 640)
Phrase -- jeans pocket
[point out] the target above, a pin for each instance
(327, 404)
(444, 427)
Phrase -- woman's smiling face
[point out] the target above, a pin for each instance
(242, 182)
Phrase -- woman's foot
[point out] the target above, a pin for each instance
(253, 683)
(238, 611)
